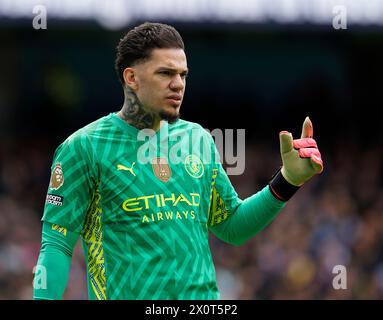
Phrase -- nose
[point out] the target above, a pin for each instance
(177, 83)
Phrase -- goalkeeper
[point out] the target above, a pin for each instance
(144, 226)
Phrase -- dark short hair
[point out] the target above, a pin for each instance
(136, 46)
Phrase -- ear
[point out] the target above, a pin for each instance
(130, 78)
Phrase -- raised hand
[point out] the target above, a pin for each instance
(301, 158)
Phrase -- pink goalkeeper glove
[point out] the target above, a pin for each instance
(301, 158)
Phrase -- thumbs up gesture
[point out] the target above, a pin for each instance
(301, 158)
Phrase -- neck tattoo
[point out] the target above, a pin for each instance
(134, 112)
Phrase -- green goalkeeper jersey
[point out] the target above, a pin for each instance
(143, 204)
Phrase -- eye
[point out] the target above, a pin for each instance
(166, 73)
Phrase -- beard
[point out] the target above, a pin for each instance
(169, 117)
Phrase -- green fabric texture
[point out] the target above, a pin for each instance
(250, 217)
(55, 259)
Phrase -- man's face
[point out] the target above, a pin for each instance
(160, 82)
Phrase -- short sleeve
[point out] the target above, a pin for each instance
(73, 183)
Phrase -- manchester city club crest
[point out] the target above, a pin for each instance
(194, 166)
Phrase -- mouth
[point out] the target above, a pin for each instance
(174, 99)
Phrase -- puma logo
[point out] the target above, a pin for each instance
(122, 167)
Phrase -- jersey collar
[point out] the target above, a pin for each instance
(163, 132)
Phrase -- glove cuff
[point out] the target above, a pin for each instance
(280, 188)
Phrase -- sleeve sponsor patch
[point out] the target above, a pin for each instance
(59, 229)
(54, 199)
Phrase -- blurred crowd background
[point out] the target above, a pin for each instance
(262, 77)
